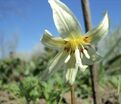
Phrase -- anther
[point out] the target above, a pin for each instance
(81, 50)
(86, 39)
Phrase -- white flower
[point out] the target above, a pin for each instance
(75, 50)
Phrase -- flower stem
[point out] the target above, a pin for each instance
(72, 94)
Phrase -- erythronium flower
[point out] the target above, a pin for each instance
(75, 47)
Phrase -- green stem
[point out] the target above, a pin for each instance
(119, 89)
(73, 100)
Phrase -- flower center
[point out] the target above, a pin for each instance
(73, 43)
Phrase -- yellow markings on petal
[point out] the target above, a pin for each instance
(72, 43)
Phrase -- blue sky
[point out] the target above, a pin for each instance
(29, 18)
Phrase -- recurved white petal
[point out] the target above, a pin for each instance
(57, 61)
(54, 65)
(65, 21)
(71, 70)
(102, 29)
(71, 75)
(49, 41)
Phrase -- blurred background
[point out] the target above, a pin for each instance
(23, 58)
